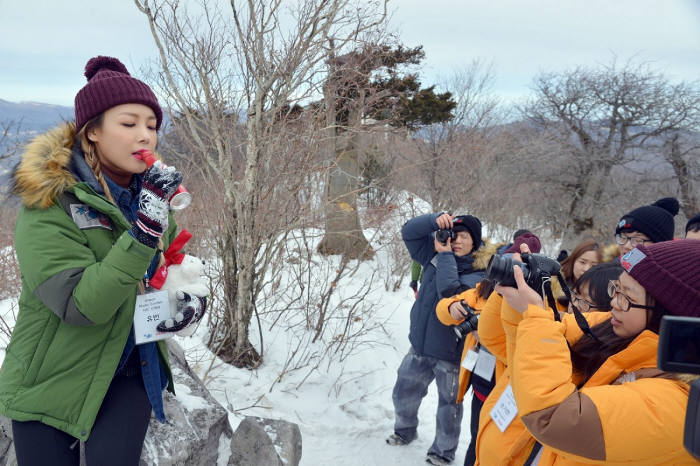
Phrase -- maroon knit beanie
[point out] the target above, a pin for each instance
(110, 84)
(670, 273)
(526, 238)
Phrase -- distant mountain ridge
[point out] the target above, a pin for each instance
(34, 117)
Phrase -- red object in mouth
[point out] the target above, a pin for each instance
(146, 156)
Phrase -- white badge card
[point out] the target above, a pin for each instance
(469, 360)
(151, 309)
(505, 409)
(485, 365)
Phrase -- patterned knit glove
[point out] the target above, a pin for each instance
(159, 184)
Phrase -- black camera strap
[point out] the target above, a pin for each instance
(578, 315)
(551, 302)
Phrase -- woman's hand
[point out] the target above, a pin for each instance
(457, 311)
(519, 298)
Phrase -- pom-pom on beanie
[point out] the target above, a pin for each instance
(669, 272)
(655, 221)
(110, 84)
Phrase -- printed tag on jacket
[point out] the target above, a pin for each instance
(469, 360)
(151, 309)
(485, 365)
(505, 409)
(86, 217)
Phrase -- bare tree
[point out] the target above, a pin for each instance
(451, 153)
(265, 58)
(590, 122)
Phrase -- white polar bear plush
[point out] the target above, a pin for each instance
(187, 290)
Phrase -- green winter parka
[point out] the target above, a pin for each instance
(80, 275)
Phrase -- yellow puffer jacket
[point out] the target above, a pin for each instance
(627, 413)
(443, 313)
(498, 326)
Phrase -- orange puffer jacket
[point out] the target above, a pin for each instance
(498, 326)
(627, 413)
(443, 313)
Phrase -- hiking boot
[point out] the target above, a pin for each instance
(395, 439)
(437, 460)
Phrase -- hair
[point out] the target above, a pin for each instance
(587, 354)
(90, 153)
(484, 288)
(520, 233)
(597, 278)
(567, 265)
(695, 226)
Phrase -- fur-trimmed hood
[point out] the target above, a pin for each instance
(52, 163)
(43, 172)
(483, 255)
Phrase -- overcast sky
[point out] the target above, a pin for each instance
(44, 44)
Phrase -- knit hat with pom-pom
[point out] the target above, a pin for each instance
(668, 271)
(655, 221)
(110, 84)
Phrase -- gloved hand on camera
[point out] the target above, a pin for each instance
(158, 185)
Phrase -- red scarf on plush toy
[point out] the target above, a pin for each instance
(172, 256)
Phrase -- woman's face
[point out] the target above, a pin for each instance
(125, 129)
(631, 323)
(462, 244)
(584, 262)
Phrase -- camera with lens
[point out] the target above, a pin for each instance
(470, 323)
(536, 268)
(443, 235)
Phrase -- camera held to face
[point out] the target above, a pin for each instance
(470, 323)
(536, 269)
(444, 235)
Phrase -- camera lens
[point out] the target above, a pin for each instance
(500, 270)
(443, 235)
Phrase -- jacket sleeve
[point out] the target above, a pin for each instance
(491, 332)
(446, 276)
(417, 235)
(443, 307)
(58, 265)
(594, 424)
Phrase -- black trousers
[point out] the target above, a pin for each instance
(116, 438)
(470, 457)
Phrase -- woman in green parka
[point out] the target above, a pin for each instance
(87, 239)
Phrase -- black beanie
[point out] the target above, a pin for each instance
(695, 220)
(655, 221)
(472, 225)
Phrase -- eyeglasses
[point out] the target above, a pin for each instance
(582, 304)
(635, 241)
(623, 301)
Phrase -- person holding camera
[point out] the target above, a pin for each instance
(454, 259)
(507, 441)
(479, 367)
(599, 397)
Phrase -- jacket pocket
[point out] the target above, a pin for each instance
(40, 351)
